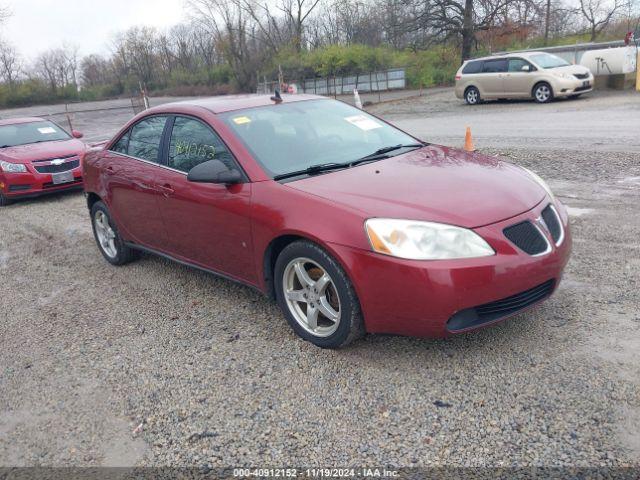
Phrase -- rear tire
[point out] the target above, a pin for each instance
(110, 243)
(4, 201)
(472, 96)
(316, 296)
(542, 93)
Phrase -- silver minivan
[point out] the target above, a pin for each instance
(536, 75)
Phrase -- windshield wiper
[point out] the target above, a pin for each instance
(323, 167)
(382, 152)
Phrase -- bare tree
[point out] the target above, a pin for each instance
(58, 67)
(227, 22)
(10, 63)
(599, 13)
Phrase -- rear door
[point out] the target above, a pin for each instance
(518, 82)
(492, 81)
(129, 170)
(206, 224)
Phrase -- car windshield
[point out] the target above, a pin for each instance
(546, 60)
(295, 136)
(32, 132)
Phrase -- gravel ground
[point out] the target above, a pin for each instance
(157, 364)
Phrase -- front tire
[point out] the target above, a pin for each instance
(4, 201)
(542, 93)
(110, 243)
(472, 96)
(316, 296)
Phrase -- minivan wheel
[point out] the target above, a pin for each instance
(472, 96)
(4, 201)
(542, 93)
(109, 241)
(316, 296)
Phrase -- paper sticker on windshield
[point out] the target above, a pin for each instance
(241, 120)
(47, 130)
(363, 123)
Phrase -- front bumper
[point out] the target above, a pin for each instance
(33, 183)
(565, 87)
(418, 298)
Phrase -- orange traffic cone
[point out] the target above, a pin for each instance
(468, 141)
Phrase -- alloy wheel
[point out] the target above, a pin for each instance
(543, 93)
(472, 96)
(311, 297)
(106, 235)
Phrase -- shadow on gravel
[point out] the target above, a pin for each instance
(45, 199)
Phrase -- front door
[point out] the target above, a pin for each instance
(206, 224)
(518, 82)
(130, 169)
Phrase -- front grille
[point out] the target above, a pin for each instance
(527, 238)
(553, 223)
(491, 312)
(581, 76)
(580, 89)
(43, 160)
(63, 167)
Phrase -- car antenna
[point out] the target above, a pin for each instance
(276, 97)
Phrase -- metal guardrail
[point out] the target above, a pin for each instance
(578, 47)
(569, 52)
(392, 79)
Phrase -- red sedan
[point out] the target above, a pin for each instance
(350, 224)
(37, 157)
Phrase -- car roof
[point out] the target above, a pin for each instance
(15, 121)
(500, 56)
(229, 103)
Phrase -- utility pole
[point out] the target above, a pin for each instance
(546, 23)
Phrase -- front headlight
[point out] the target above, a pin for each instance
(562, 75)
(12, 167)
(541, 182)
(416, 240)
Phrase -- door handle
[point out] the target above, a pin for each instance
(143, 186)
(166, 190)
(110, 171)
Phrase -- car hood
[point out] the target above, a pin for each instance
(42, 151)
(571, 70)
(434, 183)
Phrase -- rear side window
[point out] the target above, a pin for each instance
(472, 67)
(494, 66)
(145, 137)
(192, 143)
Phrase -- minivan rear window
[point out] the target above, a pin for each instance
(472, 67)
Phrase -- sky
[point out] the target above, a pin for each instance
(37, 25)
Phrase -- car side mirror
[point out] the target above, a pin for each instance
(526, 68)
(77, 134)
(214, 171)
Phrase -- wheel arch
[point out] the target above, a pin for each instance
(92, 199)
(472, 85)
(277, 245)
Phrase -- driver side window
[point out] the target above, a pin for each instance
(193, 143)
(516, 64)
